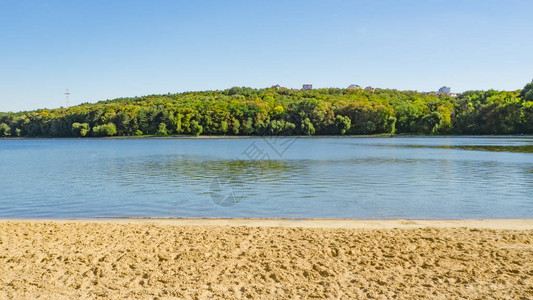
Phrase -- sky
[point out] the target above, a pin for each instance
(105, 49)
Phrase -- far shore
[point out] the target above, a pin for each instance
(271, 136)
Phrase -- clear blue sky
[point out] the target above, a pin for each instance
(103, 49)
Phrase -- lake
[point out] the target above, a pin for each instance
(333, 177)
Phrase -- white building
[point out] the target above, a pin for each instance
(445, 90)
(354, 87)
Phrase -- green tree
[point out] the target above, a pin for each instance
(243, 110)
(527, 92)
(108, 129)
(307, 127)
(343, 124)
(223, 127)
(80, 129)
(196, 128)
(162, 129)
(408, 116)
(235, 126)
(432, 122)
(5, 130)
(248, 127)
(178, 119)
(529, 95)
(391, 125)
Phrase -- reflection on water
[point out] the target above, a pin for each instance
(314, 178)
(495, 148)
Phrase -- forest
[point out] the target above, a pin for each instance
(275, 111)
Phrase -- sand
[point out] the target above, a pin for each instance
(478, 259)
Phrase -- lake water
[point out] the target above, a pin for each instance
(400, 177)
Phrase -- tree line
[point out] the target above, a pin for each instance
(247, 111)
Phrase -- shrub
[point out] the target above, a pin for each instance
(108, 129)
(162, 129)
(80, 129)
(5, 130)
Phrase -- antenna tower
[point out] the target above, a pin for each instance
(68, 102)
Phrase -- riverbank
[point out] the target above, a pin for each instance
(234, 258)
(381, 135)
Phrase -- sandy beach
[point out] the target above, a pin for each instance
(231, 258)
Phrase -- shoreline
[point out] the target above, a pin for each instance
(383, 135)
(507, 224)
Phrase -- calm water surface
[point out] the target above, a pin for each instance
(334, 177)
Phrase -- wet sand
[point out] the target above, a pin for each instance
(239, 258)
